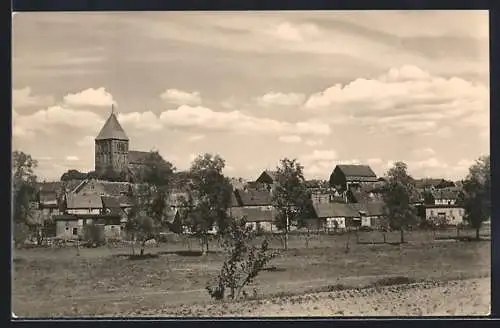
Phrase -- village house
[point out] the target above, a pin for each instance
(345, 176)
(334, 216)
(442, 207)
(79, 226)
(82, 204)
(371, 213)
(266, 180)
(255, 206)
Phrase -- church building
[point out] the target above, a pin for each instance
(112, 152)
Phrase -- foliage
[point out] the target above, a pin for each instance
(243, 261)
(73, 175)
(110, 174)
(142, 225)
(290, 196)
(428, 197)
(476, 196)
(209, 196)
(23, 184)
(397, 194)
(151, 213)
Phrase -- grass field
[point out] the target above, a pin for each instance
(103, 281)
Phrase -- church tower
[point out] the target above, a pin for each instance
(111, 147)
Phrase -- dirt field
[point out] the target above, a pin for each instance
(456, 298)
(55, 282)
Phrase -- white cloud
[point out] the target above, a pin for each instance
(374, 161)
(424, 152)
(72, 158)
(319, 163)
(206, 119)
(281, 99)
(46, 119)
(294, 32)
(290, 139)
(405, 100)
(196, 137)
(179, 97)
(313, 142)
(145, 121)
(86, 141)
(90, 97)
(24, 98)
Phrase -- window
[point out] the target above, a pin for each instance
(67, 228)
(75, 231)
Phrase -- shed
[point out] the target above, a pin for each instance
(336, 215)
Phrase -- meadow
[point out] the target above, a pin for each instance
(105, 281)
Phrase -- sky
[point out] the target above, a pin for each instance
(324, 87)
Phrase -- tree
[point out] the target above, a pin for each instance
(210, 196)
(290, 196)
(476, 196)
(73, 175)
(150, 213)
(397, 194)
(243, 261)
(23, 191)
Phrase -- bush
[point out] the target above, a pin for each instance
(242, 264)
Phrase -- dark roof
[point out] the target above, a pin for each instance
(331, 210)
(83, 201)
(267, 177)
(234, 200)
(112, 130)
(358, 172)
(70, 185)
(48, 187)
(110, 202)
(48, 197)
(441, 206)
(253, 214)
(369, 209)
(253, 197)
(447, 193)
(115, 188)
(137, 157)
(69, 217)
(428, 182)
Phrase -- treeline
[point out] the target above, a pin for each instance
(209, 196)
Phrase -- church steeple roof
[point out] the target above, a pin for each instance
(112, 130)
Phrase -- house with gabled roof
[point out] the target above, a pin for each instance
(344, 176)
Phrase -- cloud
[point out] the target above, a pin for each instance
(281, 99)
(90, 97)
(24, 98)
(86, 141)
(294, 32)
(319, 163)
(179, 97)
(46, 120)
(187, 117)
(374, 161)
(290, 139)
(196, 137)
(405, 99)
(72, 158)
(424, 152)
(142, 121)
(313, 142)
